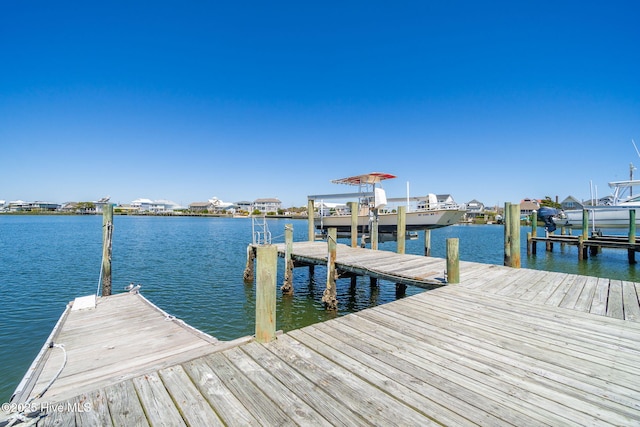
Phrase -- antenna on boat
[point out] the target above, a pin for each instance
(407, 196)
(631, 169)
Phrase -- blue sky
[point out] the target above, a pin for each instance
(495, 101)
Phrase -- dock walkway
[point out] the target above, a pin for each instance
(407, 269)
(504, 347)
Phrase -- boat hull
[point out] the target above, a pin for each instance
(598, 218)
(388, 222)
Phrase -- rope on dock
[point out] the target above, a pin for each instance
(33, 417)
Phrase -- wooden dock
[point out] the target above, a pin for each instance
(415, 270)
(504, 347)
(123, 336)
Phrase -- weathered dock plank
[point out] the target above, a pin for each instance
(124, 406)
(502, 347)
(631, 303)
(426, 272)
(121, 337)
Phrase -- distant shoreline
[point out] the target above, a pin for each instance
(208, 215)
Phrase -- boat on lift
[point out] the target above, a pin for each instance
(611, 212)
(422, 213)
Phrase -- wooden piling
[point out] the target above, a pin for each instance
(107, 235)
(631, 253)
(374, 231)
(329, 297)
(453, 261)
(534, 223)
(515, 236)
(248, 275)
(427, 242)
(585, 224)
(507, 233)
(311, 215)
(267, 259)
(401, 229)
(354, 223)
(287, 286)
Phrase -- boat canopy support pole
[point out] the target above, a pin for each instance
(631, 253)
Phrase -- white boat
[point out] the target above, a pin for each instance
(613, 213)
(422, 213)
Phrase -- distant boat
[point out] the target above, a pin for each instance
(612, 212)
(422, 213)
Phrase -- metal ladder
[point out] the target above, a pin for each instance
(260, 230)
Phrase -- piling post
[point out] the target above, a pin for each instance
(507, 233)
(529, 243)
(287, 286)
(514, 236)
(267, 257)
(353, 206)
(453, 261)
(107, 235)
(585, 224)
(401, 229)
(582, 251)
(534, 223)
(248, 275)
(329, 297)
(311, 216)
(374, 231)
(631, 253)
(427, 242)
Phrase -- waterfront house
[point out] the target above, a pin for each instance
(218, 206)
(37, 206)
(100, 204)
(327, 208)
(199, 207)
(475, 209)
(244, 206)
(527, 206)
(266, 206)
(571, 203)
(154, 206)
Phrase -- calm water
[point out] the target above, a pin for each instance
(192, 268)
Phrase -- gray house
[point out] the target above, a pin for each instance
(571, 203)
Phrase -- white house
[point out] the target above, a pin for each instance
(267, 205)
(155, 206)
